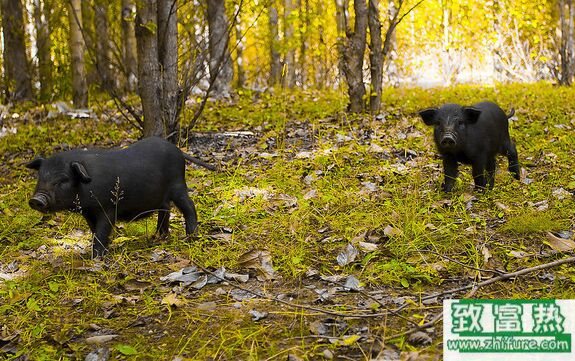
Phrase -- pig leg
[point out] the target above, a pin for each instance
(186, 206)
(450, 173)
(163, 227)
(490, 167)
(513, 159)
(101, 227)
(478, 172)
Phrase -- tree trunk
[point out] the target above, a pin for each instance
(304, 28)
(16, 67)
(354, 51)
(241, 81)
(389, 52)
(497, 44)
(77, 46)
(43, 44)
(375, 56)
(221, 67)
(103, 51)
(289, 60)
(129, 51)
(275, 62)
(566, 46)
(168, 58)
(150, 85)
(341, 22)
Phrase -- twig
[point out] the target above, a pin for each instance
(475, 287)
(459, 263)
(504, 277)
(432, 322)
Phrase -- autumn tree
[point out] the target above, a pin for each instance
(77, 46)
(288, 78)
(129, 52)
(221, 66)
(275, 60)
(353, 51)
(103, 50)
(375, 56)
(43, 44)
(567, 46)
(16, 67)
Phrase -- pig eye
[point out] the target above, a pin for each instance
(63, 181)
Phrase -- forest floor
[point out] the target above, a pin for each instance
(323, 236)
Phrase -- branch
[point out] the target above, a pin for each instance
(477, 286)
(393, 24)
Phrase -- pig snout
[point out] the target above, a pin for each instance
(39, 202)
(448, 140)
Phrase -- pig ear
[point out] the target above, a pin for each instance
(471, 114)
(80, 171)
(428, 116)
(35, 164)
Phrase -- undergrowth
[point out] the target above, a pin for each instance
(316, 180)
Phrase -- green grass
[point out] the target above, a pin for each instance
(64, 297)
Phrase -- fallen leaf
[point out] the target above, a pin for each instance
(391, 231)
(333, 279)
(518, 254)
(540, 206)
(419, 338)
(352, 284)
(346, 340)
(236, 277)
(241, 295)
(207, 306)
(257, 315)
(186, 275)
(367, 247)
(486, 254)
(171, 299)
(96, 340)
(100, 354)
(501, 206)
(312, 193)
(199, 283)
(559, 244)
(136, 285)
(561, 193)
(347, 256)
(374, 148)
(126, 350)
(259, 260)
(368, 187)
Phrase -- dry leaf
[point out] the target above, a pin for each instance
(560, 244)
(171, 299)
(259, 260)
(95, 340)
(347, 256)
(367, 247)
(391, 231)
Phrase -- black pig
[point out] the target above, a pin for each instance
(109, 185)
(472, 135)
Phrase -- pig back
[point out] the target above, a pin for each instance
(491, 129)
(135, 181)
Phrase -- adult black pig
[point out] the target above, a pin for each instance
(109, 185)
(472, 135)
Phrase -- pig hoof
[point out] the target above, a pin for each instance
(99, 253)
